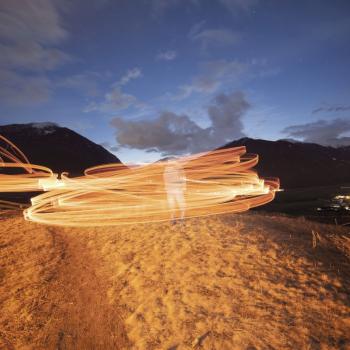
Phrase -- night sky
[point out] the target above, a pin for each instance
(148, 78)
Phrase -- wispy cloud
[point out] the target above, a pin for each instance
(334, 108)
(116, 99)
(218, 74)
(31, 56)
(30, 32)
(86, 82)
(212, 76)
(130, 74)
(159, 7)
(329, 133)
(213, 37)
(168, 55)
(18, 89)
(236, 6)
(27, 20)
(171, 133)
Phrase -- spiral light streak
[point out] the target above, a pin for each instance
(217, 182)
(12, 158)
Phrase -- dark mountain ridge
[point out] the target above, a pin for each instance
(57, 148)
(296, 164)
(299, 164)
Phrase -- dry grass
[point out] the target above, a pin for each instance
(247, 281)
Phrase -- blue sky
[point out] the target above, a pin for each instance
(155, 77)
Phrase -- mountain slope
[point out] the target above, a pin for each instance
(237, 282)
(58, 148)
(299, 164)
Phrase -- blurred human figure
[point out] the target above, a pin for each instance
(175, 186)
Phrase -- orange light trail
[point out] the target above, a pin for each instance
(217, 182)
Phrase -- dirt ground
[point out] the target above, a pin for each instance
(248, 281)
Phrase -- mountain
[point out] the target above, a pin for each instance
(299, 164)
(57, 148)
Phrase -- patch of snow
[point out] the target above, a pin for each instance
(45, 128)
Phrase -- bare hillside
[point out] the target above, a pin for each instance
(247, 281)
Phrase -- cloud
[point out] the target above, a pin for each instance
(86, 82)
(18, 89)
(31, 56)
(130, 74)
(168, 133)
(213, 74)
(116, 99)
(334, 30)
(336, 108)
(216, 74)
(29, 34)
(159, 7)
(171, 133)
(328, 133)
(169, 55)
(213, 37)
(226, 116)
(30, 21)
(238, 5)
(28, 29)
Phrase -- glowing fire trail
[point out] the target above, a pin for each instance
(217, 182)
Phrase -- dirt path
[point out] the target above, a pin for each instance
(82, 318)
